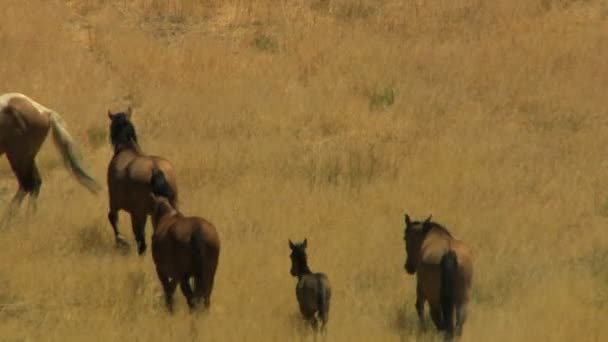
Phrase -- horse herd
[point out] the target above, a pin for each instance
(188, 247)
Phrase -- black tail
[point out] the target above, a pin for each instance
(449, 267)
(159, 184)
(197, 245)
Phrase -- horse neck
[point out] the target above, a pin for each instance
(164, 213)
(441, 233)
(304, 269)
(131, 145)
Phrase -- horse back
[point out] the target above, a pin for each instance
(434, 246)
(178, 242)
(464, 256)
(129, 174)
(429, 270)
(324, 287)
(309, 291)
(188, 228)
(20, 121)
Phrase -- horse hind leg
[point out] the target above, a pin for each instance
(207, 280)
(12, 208)
(436, 315)
(138, 223)
(203, 286)
(169, 286)
(420, 307)
(314, 323)
(184, 285)
(29, 181)
(323, 318)
(461, 317)
(121, 242)
(324, 312)
(36, 184)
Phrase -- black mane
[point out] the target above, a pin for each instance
(122, 130)
(432, 224)
(298, 253)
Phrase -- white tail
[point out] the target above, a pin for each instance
(64, 142)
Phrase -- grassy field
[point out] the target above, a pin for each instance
(325, 119)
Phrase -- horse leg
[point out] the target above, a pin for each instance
(461, 317)
(169, 286)
(138, 224)
(184, 285)
(12, 207)
(437, 318)
(314, 323)
(121, 242)
(206, 283)
(27, 175)
(202, 289)
(324, 317)
(32, 207)
(420, 306)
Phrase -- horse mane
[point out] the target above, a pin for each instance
(122, 131)
(301, 258)
(162, 209)
(435, 225)
(440, 228)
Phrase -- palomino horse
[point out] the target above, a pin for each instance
(24, 125)
(445, 272)
(313, 290)
(129, 175)
(182, 247)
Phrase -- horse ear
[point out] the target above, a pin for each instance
(291, 244)
(110, 115)
(426, 225)
(407, 220)
(305, 243)
(129, 112)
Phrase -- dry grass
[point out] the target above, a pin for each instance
(327, 120)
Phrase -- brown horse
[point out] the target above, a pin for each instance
(24, 125)
(182, 247)
(445, 272)
(313, 290)
(129, 174)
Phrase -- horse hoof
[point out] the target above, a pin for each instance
(121, 243)
(141, 250)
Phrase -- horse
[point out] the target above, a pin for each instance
(182, 247)
(128, 176)
(444, 268)
(24, 126)
(313, 290)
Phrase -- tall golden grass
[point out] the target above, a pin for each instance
(328, 120)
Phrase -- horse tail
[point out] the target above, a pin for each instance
(449, 267)
(197, 243)
(65, 143)
(163, 186)
(323, 297)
